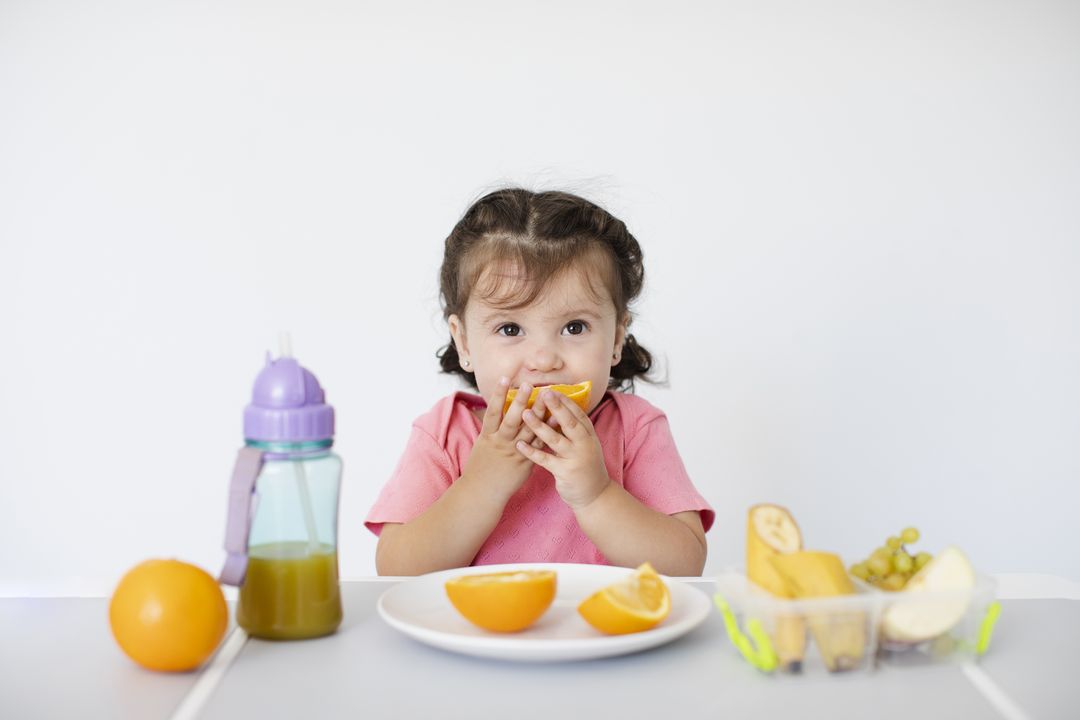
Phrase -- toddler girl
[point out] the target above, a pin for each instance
(536, 289)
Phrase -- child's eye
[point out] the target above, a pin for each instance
(575, 327)
(509, 330)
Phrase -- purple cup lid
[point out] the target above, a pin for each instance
(287, 405)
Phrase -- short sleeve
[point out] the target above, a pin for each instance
(422, 475)
(654, 472)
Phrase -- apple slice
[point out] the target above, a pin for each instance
(934, 600)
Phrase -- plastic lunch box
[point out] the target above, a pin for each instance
(849, 632)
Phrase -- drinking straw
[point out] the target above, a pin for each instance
(305, 502)
(285, 350)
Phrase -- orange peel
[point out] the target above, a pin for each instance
(578, 392)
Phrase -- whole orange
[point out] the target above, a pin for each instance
(168, 615)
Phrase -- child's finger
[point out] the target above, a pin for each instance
(572, 420)
(554, 440)
(493, 414)
(525, 433)
(538, 456)
(512, 420)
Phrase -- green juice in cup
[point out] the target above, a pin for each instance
(290, 592)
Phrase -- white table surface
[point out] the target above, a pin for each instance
(58, 659)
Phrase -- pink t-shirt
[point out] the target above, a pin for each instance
(537, 526)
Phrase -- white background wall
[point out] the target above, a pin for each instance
(861, 223)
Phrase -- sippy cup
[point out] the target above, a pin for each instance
(281, 533)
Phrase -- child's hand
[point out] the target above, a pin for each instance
(576, 459)
(494, 455)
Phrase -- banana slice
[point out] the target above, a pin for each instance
(840, 636)
(775, 527)
(771, 531)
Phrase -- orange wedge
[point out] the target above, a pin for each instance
(579, 393)
(640, 602)
(505, 601)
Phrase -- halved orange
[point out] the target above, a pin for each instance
(579, 393)
(638, 603)
(504, 601)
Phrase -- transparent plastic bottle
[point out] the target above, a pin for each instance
(282, 531)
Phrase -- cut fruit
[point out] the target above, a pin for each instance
(934, 600)
(505, 601)
(579, 393)
(811, 574)
(640, 602)
(771, 531)
(840, 636)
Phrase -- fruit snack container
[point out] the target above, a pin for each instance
(806, 636)
(941, 625)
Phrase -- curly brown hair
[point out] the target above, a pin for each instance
(546, 232)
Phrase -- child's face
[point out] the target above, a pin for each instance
(568, 334)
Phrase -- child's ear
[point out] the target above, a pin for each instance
(457, 331)
(620, 338)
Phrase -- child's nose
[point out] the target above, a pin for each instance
(542, 359)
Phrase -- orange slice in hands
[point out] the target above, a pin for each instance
(505, 601)
(579, 393)
(638, 603)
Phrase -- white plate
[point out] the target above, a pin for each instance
(420, 609)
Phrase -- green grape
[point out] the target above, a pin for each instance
(878, 565)
(894, 582)
(882, 552)
(921, 559)
(860, 570)
(903, 563)
(893, 543)
(909, 535)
